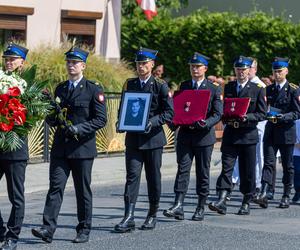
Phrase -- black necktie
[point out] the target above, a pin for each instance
(239, 88)
(143, 84)
(278, 88)
(71, 89)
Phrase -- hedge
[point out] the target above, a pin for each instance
(221, 36)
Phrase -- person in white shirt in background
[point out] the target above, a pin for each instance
(259, 147)
(296, 163)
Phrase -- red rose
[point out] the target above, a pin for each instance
(3, 100)
(15, 105)
(14, 91)
(19, 117)
(6, 126)
(4, 111)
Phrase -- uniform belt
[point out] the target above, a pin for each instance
(236, 124)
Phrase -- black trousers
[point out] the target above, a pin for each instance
(60, 169)
(14, 171)
(247, 160)
(286, 151)
(2, 227)
(185, 156)
(135, 158)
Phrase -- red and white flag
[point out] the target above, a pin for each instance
(149, 8)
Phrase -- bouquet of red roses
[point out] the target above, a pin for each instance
(22, 105)
(12, 111)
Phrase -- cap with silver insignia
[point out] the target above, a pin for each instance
(243, 62)
(145, 55)
(279, 63)
(15, 50)
(199, 59)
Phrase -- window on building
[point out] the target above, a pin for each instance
(79, 25)
(13, 23)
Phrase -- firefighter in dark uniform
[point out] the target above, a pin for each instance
(74, 146)
(283, 100)
(13, 164)
(146, 148)
(240, 138)
(196, 141)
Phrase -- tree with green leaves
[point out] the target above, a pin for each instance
(221, 36)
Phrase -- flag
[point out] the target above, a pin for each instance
(149, 8)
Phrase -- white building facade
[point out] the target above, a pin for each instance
(95, 23)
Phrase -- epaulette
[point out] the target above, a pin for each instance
(126, 83)
(62, 83)
(216, 84)
(159, 80)
(258, 85)
(130, 79)
(124, 88)
(293, 85)
(186, 81)
(93, 82)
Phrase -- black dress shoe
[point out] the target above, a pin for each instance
(228, 197)
(245, 209)
(262, 198)
(270, 195)
(2, 237)
(256, 195)
(125, 226)
(296, 197)
(220, 205)
(149, 223)
(9, 244)
(43, 234)
(81, 238)
(175, 211)
(199, 214)
(285, 202)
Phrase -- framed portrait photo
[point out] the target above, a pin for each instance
(134, 111)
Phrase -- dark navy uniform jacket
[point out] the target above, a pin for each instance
(161, 112)
(287, 100)
(87, 111)
(247, 132)
(19, 154)
(203, 137)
